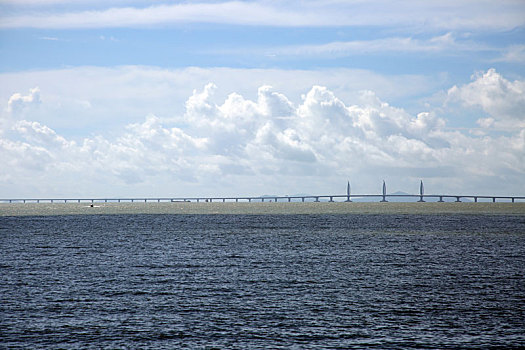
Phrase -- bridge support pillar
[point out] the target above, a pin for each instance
(421, 200)
(384, 199)
(458, 199)
(302, 198)
(493, 199)
(440, 199)
(289, 199)
(512, 199)
(317, 199)
(475, 199)
(331, 199)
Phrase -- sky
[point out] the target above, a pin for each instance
(132, 98)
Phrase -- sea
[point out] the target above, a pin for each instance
(272, 276)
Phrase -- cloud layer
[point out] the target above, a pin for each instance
(271, 144)
(449, 15)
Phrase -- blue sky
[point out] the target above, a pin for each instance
(135, 98)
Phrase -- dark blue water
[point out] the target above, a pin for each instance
(269, 281)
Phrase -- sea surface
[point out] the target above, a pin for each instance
(383, 279)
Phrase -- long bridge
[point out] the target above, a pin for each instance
(383, 197)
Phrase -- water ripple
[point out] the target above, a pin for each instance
(263, 281)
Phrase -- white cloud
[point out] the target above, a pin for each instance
(235, 12)
(513, 54)
(31, 2)
(17, 102)
(42, 135)
(428, 14)
(501, 99)
(101, 100)
(438, 44)
(230, 144)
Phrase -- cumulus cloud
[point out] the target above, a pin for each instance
(17, 102)
(274, 144)
(37, 133)
(88, 97)
(501, 99)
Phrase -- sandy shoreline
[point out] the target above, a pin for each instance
(37, 209)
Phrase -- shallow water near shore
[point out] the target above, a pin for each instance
(246, 276)
(16, 209)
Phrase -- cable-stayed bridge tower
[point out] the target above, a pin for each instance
(421, 192)
(384, 192)
(348, 192)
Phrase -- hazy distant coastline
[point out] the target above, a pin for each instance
(45, 209)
